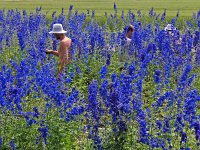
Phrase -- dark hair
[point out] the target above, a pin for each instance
(130, 28)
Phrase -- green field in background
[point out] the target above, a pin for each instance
(186, 7)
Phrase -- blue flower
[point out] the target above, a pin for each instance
(115, 7)
(156, 142)
(151, 12)
(70, 8)
(169, 143)
(160, 101)
(122, 126)
(166, 127)
(44, 132)
(196, 38)
(12, 145)
(108, 59)
(103, 72)
(103, 89)
(94, 110)
(29, 119)
(183, 137)
(36, 112)
(113, 77)
(78, 70)
(122, 15)
(157, 76)
(185, 74)
(1, 141)
(132, 69)
(196, 126)
(77, 111)
(163, 15)
(159, 124)
(191, 79)
(143, 132)
(189, 109)
(179, 123)
(93, 13)
(69, 80)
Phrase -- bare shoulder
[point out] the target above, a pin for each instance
(66, 41)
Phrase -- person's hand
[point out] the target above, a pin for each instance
(48, 51)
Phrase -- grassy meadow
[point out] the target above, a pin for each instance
(186, 7)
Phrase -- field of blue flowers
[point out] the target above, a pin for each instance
(113, 96)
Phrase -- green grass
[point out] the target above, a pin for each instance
(187, 7)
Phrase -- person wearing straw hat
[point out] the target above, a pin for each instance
(63, 51)
(172, 31)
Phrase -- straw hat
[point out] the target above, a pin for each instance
(170, 27)
(58, 28)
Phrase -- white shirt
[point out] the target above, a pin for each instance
(128, 40)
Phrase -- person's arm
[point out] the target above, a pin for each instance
(56, 53)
